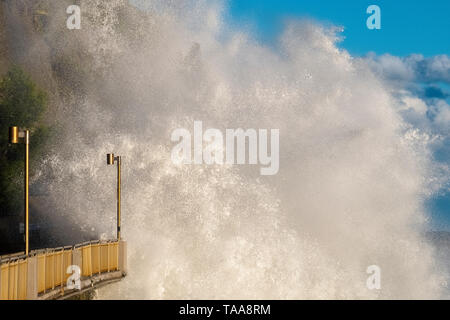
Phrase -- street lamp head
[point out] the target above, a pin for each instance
(14, 134)
(110, 158)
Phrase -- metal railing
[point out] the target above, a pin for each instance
(46, 269)
(13, 275)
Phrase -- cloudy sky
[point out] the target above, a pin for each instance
(410, 51)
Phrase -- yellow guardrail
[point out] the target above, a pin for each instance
(50, 266)
(14, 280)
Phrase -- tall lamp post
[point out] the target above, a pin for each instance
(110, 159)
(17, 135)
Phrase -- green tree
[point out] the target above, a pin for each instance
(23, 104)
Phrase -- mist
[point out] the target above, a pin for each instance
(352, 178)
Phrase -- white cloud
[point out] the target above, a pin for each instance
(411, 68)
(391, 67)
(415, 104)
(441, 112)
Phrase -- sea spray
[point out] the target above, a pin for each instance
(348, 193)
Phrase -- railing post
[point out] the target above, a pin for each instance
(76, 259)
(16, 279)
(32, 278)
(63, 272)
(122, 256)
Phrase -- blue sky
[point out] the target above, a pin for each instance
(407, 27)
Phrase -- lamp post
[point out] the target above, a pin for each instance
(110, 159)
(17, 135)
